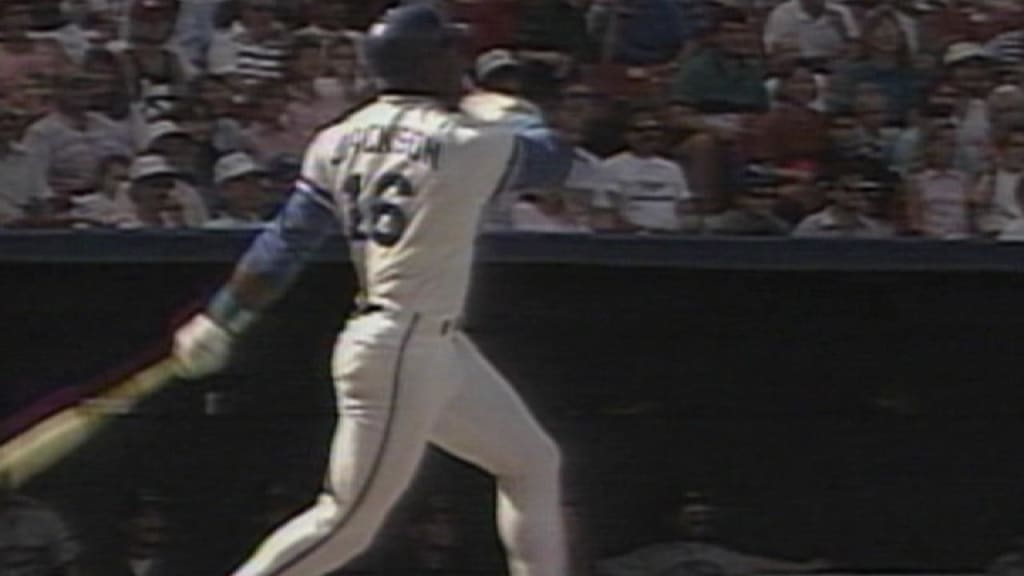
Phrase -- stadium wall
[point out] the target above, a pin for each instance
(854, 401)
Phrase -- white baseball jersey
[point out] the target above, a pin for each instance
(412, 178)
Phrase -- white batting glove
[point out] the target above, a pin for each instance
(201, 347)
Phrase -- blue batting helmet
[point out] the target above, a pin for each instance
(404, 39)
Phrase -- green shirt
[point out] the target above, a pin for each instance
(714, 82)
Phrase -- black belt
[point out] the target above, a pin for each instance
(366, 308)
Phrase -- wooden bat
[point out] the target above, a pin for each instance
(35, 450)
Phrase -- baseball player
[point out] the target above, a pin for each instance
(407, 175)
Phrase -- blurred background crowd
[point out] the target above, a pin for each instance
(824, 118)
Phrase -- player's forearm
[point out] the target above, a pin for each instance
(274, 260)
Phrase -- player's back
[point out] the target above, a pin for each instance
(412, 178)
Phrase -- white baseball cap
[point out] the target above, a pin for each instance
(151, 165)
(494, 60)
(235, 165)
(162, 129)
(963, 51)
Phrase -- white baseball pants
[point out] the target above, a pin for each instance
(402, 381)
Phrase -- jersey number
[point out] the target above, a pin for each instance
(387, 221)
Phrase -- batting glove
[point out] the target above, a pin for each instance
(201, 347)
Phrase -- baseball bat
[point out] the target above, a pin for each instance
(37, 449)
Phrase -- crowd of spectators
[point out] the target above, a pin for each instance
(815, 118)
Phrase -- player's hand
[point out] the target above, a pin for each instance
(201, 347)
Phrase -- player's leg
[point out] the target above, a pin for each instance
(487, 423)
(389, 397)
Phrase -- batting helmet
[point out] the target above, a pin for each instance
(404, 39)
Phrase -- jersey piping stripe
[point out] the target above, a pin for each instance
(512, 170)
(319, 194)
(396, 381)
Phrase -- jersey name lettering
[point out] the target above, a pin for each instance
(413, 144)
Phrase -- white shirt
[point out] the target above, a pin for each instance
(1004, 195)
(414, 178)
(825, 224)
(22, 180)
(104, 210)
(943, 196)
(646, 191)
(526, 217)
(822, 37)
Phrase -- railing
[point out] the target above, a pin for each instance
(696, 252)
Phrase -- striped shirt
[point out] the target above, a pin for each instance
(237, 52)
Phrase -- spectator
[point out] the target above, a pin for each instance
(545, 212)
(91, 26)
(555, 32)
(793, 114)
(34, 539)
(572, 113)
(998, 198)
(872, 135)
(715, 90)
(212, 139)
(491, 23)
(886, 62)
(696, 550)
(649, 192)
(242, 192)
(271, 132)
(821, 29)
(160, 102)
(753, 210)
(195, 28)
(309, 109)
(940, 102)
(145, 536)
(969, 21)
(326, 21)
(109, 94)
(846, 215)
(169, 139)
(1011, 562)
(21, 55)
(782, 64)
(938, 194)
(256, 46)
(436, 539)
(172, 142)
(343, 80)
(565, 208)
(23, 189)
(772, 146)
(217, 104)
(152, 194)
(636, 32)
(499, 77)
(108, 204)
(969, 68)
(905, 16)
(1005, 108)
(153, 60)
(70, 141)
